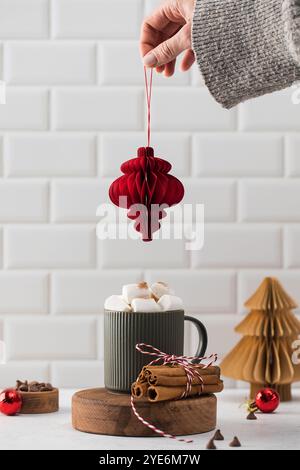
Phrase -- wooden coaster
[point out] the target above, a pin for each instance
(99, 411)
(40, 402)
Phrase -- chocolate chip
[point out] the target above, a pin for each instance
(22, 386)
(218, 436)
(251, 415)
(211, 445)
(18, 384)
(235, 442)
(33, 386)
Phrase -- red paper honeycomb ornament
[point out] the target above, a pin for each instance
(146, 189)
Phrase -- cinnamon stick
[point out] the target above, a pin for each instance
(142, 378)
(170, 381)
(158, 393)
(177, 371)
(139, 389)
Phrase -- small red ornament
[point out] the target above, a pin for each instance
(267, 400)
(10, 401)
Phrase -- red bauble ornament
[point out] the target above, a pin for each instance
(146, 189)
(10, 401)
(267, 400)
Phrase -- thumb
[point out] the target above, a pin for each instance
(170, 49)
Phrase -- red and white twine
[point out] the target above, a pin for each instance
(191, 373)
(148, 88)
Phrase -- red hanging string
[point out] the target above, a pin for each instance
(148, 86)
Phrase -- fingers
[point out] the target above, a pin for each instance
(161, 25)
(160, 69)
(188, 60)
(168, 50)
(186, 63)
(170, 68)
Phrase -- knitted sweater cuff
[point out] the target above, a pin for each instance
(246, 49)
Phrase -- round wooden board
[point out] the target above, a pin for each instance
(99, 411)
(40, 402)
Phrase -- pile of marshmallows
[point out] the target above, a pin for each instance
(142, 298)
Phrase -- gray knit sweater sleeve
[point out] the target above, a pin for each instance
(246, 48)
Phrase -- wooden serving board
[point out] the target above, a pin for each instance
(40, 402)
(99, 411)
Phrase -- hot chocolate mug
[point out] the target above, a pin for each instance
(123, 330)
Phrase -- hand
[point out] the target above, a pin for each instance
(165, 34)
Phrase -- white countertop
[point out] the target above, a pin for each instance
(280, 430)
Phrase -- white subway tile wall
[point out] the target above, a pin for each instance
(49, 64)
(25, 109)
(1, 62)
(75, 111)
(1, 156)
(50, 155)
(24, 19)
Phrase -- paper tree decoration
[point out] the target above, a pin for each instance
(146, 182)
(263, 357)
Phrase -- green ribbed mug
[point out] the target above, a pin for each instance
(123, 330)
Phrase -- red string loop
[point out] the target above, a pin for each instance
(148, 87)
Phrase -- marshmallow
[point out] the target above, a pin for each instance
(116, 303)
(159, 289)
(136, 291)
(170, 302)
(145, 305)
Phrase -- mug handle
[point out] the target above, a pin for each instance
(202, 345)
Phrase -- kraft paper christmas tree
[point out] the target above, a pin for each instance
(263, 357)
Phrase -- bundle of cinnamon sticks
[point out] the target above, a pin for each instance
(169, 382)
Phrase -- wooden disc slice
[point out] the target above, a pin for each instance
(99, 411)
(40, 402)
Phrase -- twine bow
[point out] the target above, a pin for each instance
(186, 362)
